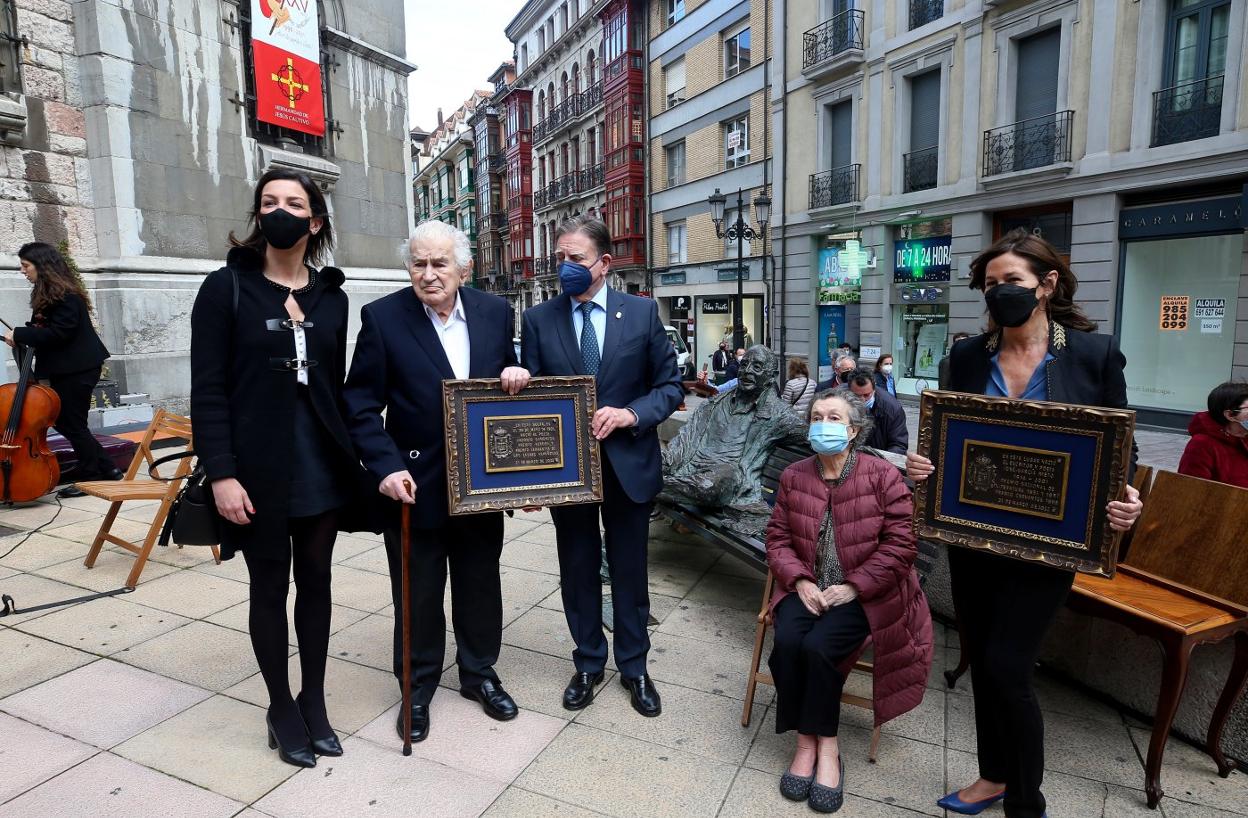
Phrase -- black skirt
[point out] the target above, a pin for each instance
(317, 482)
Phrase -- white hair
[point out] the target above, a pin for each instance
(434, 229)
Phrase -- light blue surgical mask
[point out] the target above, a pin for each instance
(574, 279)
(828, 437)
(1244, 423)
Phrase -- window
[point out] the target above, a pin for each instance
(840, 132)
(1036, 132)
(463, 173)
(1195, 62)
(675, 163)
(920, 163)
(736, 142)
(677, 244)
(524, 56)
(675, 11)
(736, 52)
(674, 82)
(591, 69)
(11, 48)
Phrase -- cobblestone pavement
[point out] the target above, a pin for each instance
(150, 704)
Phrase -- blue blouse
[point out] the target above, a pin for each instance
(1037, 387)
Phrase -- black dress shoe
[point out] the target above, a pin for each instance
(296, 756)
(70, 491)
(420, 722)
(580, 691)
(643, 694)
(326, 745)
(495, 701)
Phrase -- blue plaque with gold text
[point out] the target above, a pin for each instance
(530, 449)
(1024, 479)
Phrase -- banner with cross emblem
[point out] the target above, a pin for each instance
(286, 52)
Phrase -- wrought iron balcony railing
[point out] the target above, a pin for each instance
(834, 187)
(568, 112)
(1032, 143)
(923, 12)
(1192, 110)
(830, 38)
(572, 184)
(920, 169)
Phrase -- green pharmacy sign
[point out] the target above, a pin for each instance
(922, 260)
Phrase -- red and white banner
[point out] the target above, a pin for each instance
(286, 55)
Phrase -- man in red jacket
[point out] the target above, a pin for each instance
(1218, 449)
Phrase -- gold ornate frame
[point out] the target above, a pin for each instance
(463, 498)
(1114, 431)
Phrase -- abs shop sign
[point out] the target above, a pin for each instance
(286, 52)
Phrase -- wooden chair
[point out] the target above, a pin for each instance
(134, 487)
(756, 675)
(1184, 583)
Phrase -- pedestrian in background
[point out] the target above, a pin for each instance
(884, 379)
(1218, 449)
(943, 367)
(799, 388)
(68, 354)
(888, 432)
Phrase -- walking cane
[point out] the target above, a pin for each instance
(405, 549)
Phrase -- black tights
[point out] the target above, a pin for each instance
(312, 541)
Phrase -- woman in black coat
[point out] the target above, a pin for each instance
(268, 354)
(68, 354)
(1040, 347)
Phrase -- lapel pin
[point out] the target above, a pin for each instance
(619, 315)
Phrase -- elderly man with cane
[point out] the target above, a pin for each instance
(409, 342)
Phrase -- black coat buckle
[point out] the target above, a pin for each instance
(281, 324)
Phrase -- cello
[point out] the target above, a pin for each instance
(28, 468)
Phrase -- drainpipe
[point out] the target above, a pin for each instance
(784, 187)
(768, 289)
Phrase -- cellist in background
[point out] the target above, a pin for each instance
(68, 354)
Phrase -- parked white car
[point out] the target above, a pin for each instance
(683, 363)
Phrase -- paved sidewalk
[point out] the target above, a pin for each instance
(150, 704)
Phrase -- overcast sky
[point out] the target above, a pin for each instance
(456, 45)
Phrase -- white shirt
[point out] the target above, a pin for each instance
(597, 317)
(453, 335)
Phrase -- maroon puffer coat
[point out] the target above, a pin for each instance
(876, 547)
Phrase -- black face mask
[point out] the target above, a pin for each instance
(1010, 305)
(283, 229)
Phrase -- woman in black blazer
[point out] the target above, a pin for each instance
(68, 354)
(1041, 347)
(268, 353)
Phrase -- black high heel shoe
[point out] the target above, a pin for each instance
(325, 746)
(298, 757)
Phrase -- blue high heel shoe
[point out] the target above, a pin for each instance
(953, 803)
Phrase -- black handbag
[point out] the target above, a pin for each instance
(193, 517)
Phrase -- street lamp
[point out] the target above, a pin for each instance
(740, 232)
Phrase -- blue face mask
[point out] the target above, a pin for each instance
(827, 437)
(574, 279)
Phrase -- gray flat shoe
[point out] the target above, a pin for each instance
(795, 787)
(828, 799)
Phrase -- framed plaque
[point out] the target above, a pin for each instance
(1024, 479)
(530, 449)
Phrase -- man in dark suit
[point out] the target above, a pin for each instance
(889, 433)
(409, 342)
(590, 329)
(719, 361)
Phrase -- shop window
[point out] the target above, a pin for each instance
(922, 332)
(1174, 367)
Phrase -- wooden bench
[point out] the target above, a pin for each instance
(1183, 582)
(710, 526)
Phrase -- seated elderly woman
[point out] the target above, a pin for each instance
(842, 551)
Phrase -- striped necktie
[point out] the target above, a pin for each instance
(589, 340)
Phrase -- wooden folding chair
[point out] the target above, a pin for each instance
(133, 487)
(755, 675)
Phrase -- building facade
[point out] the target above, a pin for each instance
(493, 263)
(445, 186)
(926, 129)
(574, 124)
(708, 65)
(131, 135)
